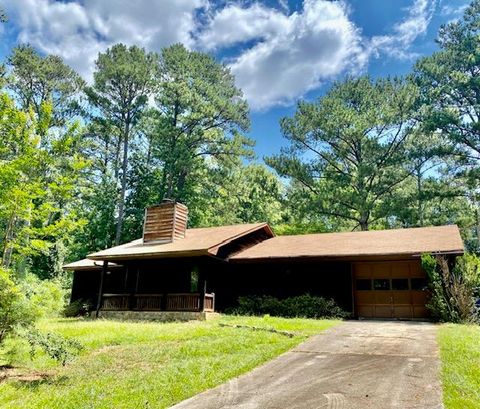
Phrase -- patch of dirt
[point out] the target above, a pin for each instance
(9, 373)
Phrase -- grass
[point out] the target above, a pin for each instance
(460, 355)
(147, 365)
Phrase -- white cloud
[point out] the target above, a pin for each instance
(235, 24)
(453, 10)
(78, 31)
(416, 23)
(276, 55)
(293, 54)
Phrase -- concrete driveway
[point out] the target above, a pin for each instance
(358, 364)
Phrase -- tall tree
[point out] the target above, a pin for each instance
(200, 115)
(38, 186)
(36, 80)
(123, 81)
(347, 149)
(449, 81)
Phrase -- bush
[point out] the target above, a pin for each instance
(47, 297)
(305, 306)
(79, 308)
(453, 288)
(55, 346)
(15, 311)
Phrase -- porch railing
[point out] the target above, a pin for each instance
(209, 303)
(116, 302)
(158, 302)
(147, 302)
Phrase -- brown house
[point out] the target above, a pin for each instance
(175, 272)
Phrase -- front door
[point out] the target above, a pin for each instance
(393, 289)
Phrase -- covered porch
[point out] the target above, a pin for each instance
(192, 302)
(155, 285)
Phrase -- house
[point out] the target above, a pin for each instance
(173, 272)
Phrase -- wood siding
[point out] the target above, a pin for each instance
(165, 223)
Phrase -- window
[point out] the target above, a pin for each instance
(381, 284)
(400, 284)
(364, 284)
(194, 281)
(419, 284)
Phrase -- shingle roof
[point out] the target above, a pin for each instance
(199, 241)
(412, 241)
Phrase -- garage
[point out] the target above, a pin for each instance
(390, 289)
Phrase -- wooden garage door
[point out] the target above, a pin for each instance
(394, 289)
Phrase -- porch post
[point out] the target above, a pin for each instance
(100, 289)
(202, 287)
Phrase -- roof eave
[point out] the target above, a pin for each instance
(346, 257)
(153, 255)
(213, 250)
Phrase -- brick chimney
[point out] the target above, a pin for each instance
(165, 222)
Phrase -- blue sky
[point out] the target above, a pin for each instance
(281, 51)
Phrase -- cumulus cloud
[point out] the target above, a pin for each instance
(414, 25)
(276, 55)
(78, 31)
(235, 24)
(310, 46)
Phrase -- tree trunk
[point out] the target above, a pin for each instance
(363, 225)
(121, 200)
(419, 199)
(363, 222)
(7, 249)
(116, 168)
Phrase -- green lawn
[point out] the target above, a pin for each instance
(147, 365)
(460, 353)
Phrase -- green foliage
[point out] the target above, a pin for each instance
(452, 288)
(78, 308)
(238, 194)
(123, 82)
(306, 306)
(15, 311)
(347, 151)
(38, 189)
(54, 345)
(46, 297)
(200, 114)
(37, 81)
(450, 103)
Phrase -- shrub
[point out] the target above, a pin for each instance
(47, 297)
(306, 306)
(22, 304)
(55, 346)
(79, 308)
(15, 311)
(452, 288)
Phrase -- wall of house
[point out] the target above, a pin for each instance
(228, 281)
(85, 286)
(281, 279)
